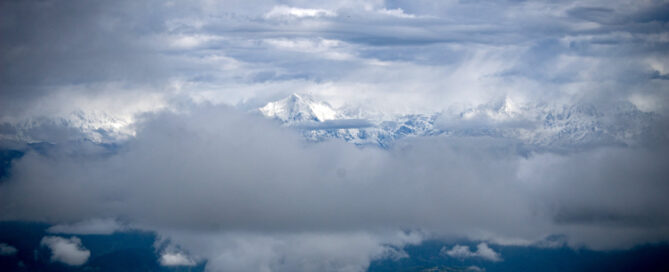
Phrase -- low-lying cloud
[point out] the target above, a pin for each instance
(218, 171)
(301, 251)
(90, 226)
(175, 259)
(334, 124)
(68, 251)
(463, 252)
(7, 250)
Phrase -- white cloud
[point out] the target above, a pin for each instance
(485, 252)
(285, 11)
(91, 226)
(7, 250)
(398, 12)
(458, 251)
(190, 41)
(329, 49)
(176, 259)
(292, 252)
(68, 251)
(462, 252)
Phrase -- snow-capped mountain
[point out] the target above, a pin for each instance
(300, 108)
(318, 120)
(96, 127)
(538, 125)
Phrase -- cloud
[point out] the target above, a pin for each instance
(122, 114)
(91, 226)
(305, 251)
(485, 252)
(175, 259)
(7, 250)
(398, 12)
(67, 251)
(334, 124)
(453, 55)
(245, 171)
(482, 251)
(596, 14)
(285, 11)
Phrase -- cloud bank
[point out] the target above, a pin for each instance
(248, 174)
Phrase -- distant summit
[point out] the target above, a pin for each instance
(299, 108)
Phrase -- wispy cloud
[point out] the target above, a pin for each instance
(285, 11)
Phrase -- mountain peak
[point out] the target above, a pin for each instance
(299, 108)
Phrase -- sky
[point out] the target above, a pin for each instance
(142, 115)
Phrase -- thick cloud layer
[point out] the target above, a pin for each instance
(244, 174)
(247, 174)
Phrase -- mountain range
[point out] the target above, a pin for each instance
(537, 125)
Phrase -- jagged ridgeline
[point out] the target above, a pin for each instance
(543, 126)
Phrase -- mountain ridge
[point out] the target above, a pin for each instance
(539, 125)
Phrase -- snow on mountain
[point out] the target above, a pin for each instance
(555, 126)
(317, 121)
(96, 127)
(538, 125)
(299, 108)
